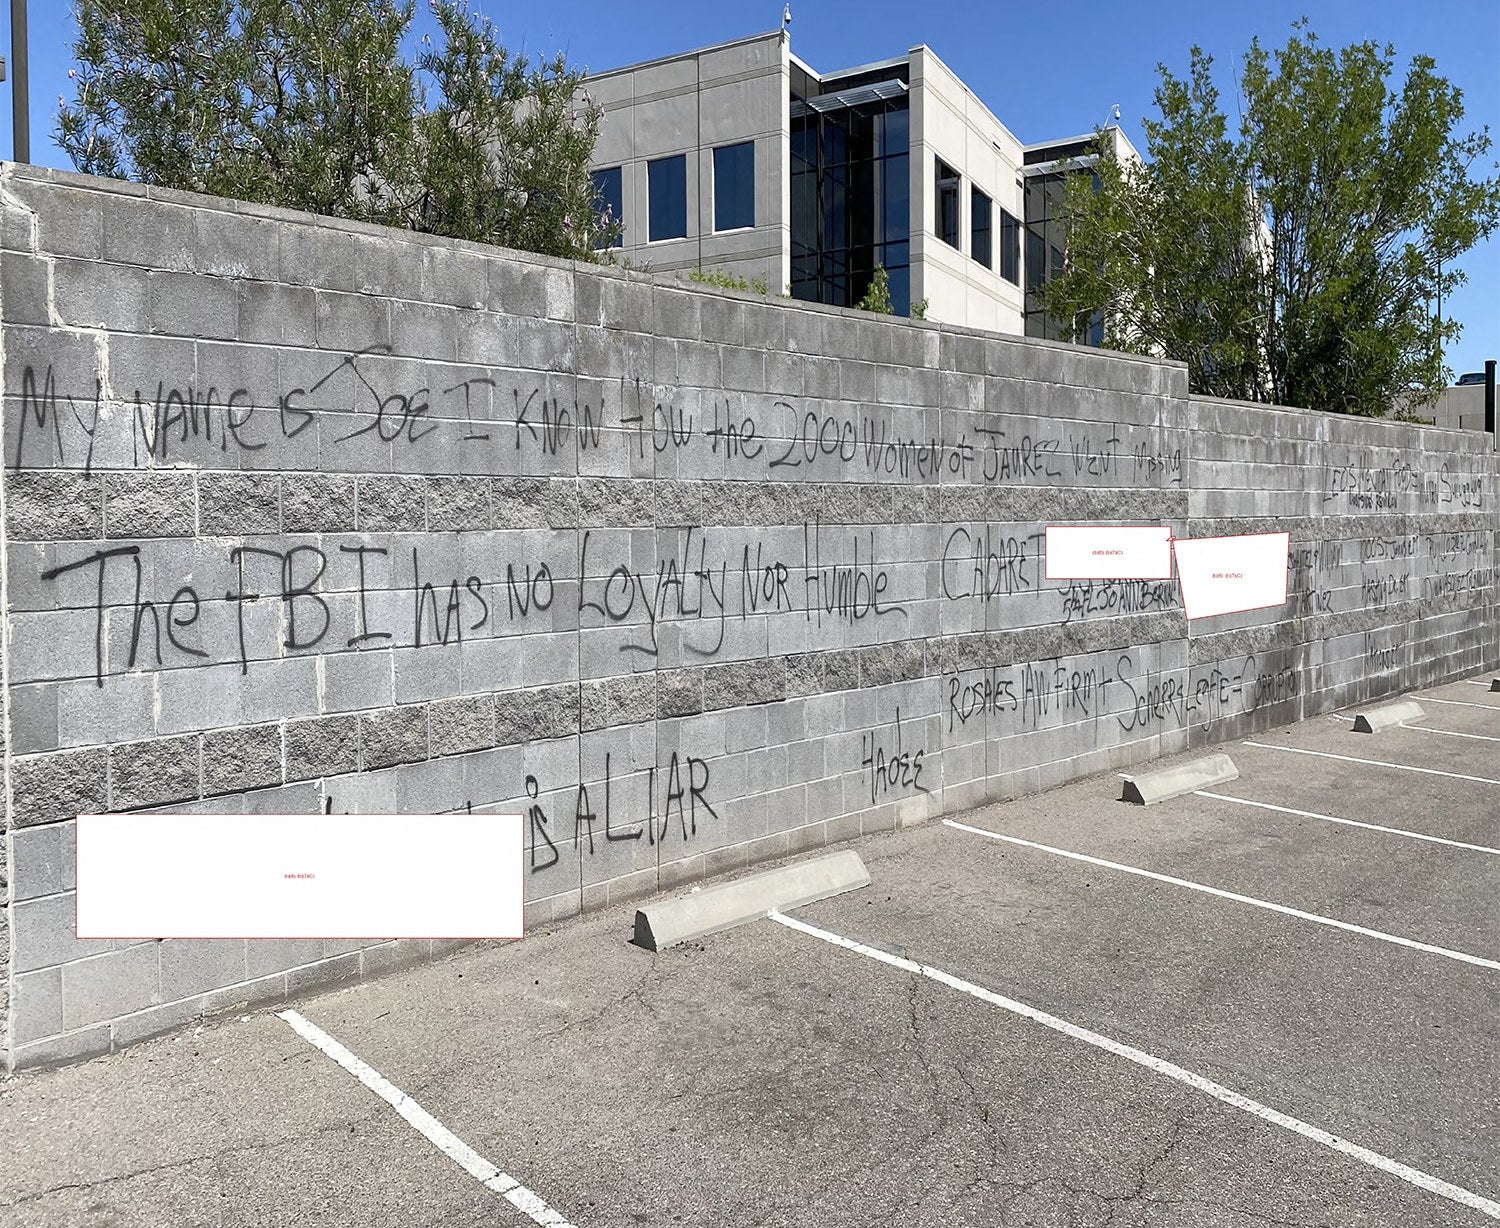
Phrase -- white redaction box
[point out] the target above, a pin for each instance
(1108, 552)
(1230, 575)
(300, 875)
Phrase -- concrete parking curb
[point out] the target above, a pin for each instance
(1375, 719)
(1173, 782)
(1495, 684)
(659, 926)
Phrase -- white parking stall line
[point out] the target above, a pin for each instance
(1459, 703)
(1329, 818)
(1218, 1091)
(1476, 682)
(1404, 767)
(487, 1174)
(1478, 737)
(1285, 910)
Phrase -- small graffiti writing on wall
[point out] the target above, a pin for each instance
(354, 401)
(1054, 692)
(832, 579)
(892, 764)
(676, 791)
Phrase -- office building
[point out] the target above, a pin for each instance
(743, 158)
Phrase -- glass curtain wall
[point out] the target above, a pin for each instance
(1046, 241)
(851, 197)
(1046, 245)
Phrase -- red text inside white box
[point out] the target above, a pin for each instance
(1108, 552)
(1232, 575)
(300, 876)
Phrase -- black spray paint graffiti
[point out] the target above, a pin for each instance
(1371, 488)
(836, 580)
(983, 564)
(1082, 598)
(1056, 691)
(346, 401)
(678, 789)
(893, 764)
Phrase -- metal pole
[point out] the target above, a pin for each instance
(1489, 395)
(19, 90)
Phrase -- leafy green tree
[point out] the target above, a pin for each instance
(309, 104)
(1300, 262)
(878, 297)
(1166, 250)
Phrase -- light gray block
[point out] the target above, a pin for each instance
(1173, 782)
(105, 986)
(1372, 720)
(721, 907)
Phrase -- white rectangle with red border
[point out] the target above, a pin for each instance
(300, 876)
(1232, 575)
(1108, 552)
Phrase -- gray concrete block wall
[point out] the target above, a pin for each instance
(301, 514)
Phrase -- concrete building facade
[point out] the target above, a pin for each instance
(744, 158)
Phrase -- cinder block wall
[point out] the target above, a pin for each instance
(302, 515)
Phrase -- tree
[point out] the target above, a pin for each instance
(878, 297)
(309, 104)
(1298, 263)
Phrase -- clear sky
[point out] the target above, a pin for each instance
(1045, 69)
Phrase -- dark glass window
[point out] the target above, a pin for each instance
(1036, 261)
(1046, 250)
(734, 186)
(1010, 248)
(947, 203)
(980, 210)
(666, 180)
(609, 196)
(851, 200)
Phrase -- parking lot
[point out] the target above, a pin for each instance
(1272, 1002)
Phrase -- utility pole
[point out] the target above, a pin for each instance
(20, 96)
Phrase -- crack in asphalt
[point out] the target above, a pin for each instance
(188, 1161)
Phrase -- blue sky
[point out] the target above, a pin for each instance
(1045, 69)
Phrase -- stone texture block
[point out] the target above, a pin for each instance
(321, 746)
(150, 505)
(238, 759)
(274, 314)
(54, 787)
(69, 1047)
(154, 773)
(460, 725)
(392, 504)
(458, 503)
(397, 735)
(318, 503)
(234, 504)
(152, 234)
(51, 506)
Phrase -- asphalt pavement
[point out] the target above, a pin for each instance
(1270, 1002)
